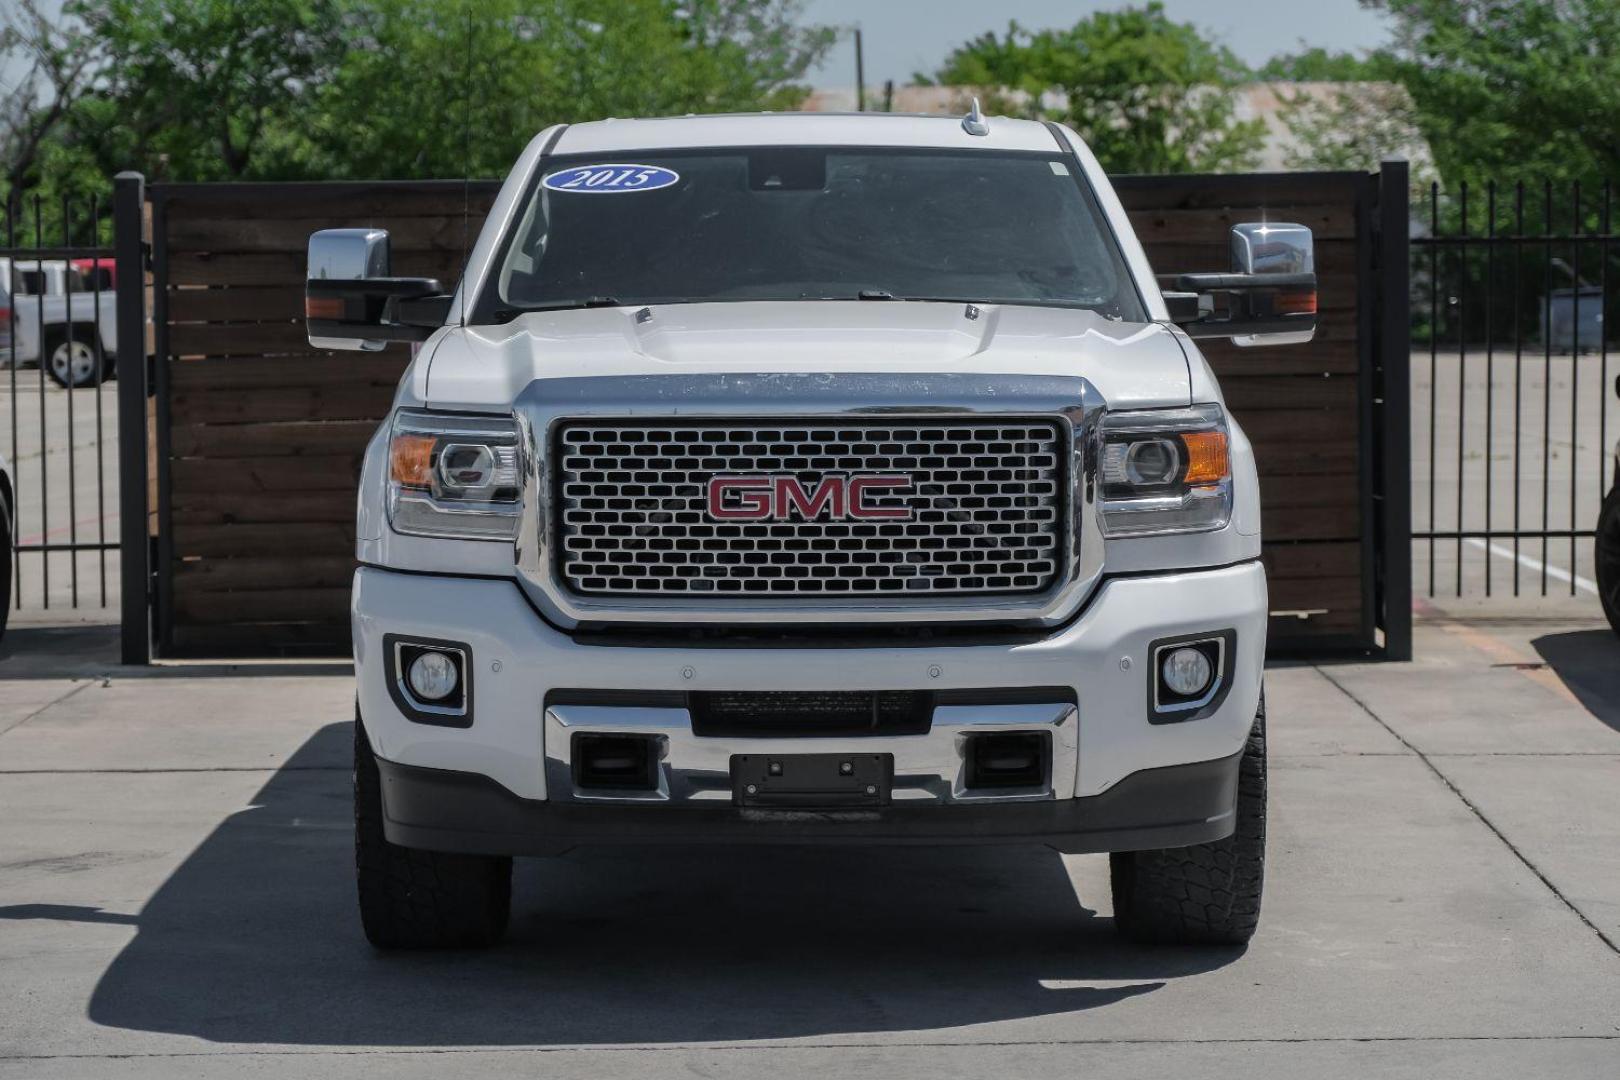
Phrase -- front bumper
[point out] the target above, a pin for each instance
(440, 810)
(1113, 773)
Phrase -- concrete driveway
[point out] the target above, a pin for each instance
(1444, 901)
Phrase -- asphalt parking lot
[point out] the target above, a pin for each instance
(1443, 900)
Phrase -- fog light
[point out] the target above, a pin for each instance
(1187, 672)
(433, 676)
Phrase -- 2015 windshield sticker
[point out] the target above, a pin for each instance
(611, 179)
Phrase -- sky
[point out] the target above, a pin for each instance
(902, 37)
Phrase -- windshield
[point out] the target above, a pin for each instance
(803, 223)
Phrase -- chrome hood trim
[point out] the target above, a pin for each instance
(1069, 400)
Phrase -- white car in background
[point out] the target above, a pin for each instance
(49, 314)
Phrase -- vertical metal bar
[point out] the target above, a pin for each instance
(101, 375)
(1434, 352)
(44, 458)
(1603, 347)
(1574, 369)
(13, 211)
(73, 472)
(1395, 356)
(129, 198)
(1462, 368)
(1518, 368)
(1490, 367)
(1546, 377)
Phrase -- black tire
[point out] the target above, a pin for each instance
(413, 899)
(1608, 557)
(61, 369)
(5, 559)
(1207, 894)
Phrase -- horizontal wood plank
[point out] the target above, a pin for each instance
(267, 476)
(315, 571)
(195, 604)
(260, 373)
(297, 438)
(239, 303)
(325, 539)
(344, 402)
(446, 233)
(289, 267)
(246, 507)
(1308, 562)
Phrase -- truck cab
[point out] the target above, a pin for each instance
(802, 479)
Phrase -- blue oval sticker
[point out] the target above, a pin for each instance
(611, 179)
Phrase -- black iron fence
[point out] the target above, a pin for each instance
(58, 349)
(1514, 402)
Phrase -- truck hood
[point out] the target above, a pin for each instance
(1132, 365)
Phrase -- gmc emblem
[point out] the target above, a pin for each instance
(779, 497)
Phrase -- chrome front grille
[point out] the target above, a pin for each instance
(985, 503)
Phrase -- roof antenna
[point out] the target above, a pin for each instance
(974, 122)
(466, 172)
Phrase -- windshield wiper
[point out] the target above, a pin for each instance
(874, 294)
(582, 302)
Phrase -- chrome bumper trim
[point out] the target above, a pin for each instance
(696, 769)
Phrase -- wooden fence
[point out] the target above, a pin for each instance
(259, 437)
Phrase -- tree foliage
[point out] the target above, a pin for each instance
(1513, 90)
(1148, 94)
(306, 89)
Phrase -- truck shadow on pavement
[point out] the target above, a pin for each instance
(1588, 662)
(256, 939)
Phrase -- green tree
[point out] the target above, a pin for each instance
(210, 89)
(1325, 65)
(443, 87)
(1513, 90)
(1148, 94)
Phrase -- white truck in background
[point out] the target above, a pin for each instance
(51, 314)
(800, 479)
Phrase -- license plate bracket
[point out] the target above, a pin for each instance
(812, 781)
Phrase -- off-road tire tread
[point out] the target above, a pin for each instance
(414, 899)
(1608, 558)
(1207, 894)
(5, 563)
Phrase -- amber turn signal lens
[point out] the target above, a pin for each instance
(1207, 461)
(1296, 303)
(410, 460)
(323, 307)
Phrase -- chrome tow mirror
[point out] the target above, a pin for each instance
(1267, 298)
(351, 302)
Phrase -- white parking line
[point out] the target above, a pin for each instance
(1534, 565)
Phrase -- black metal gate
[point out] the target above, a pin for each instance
(1514, 401)
(56, 296)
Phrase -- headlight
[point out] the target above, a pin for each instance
(455, 476)
(1165, 471)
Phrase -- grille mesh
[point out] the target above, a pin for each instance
(985, 501)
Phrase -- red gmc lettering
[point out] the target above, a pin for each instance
(860, 511)
(779, 498)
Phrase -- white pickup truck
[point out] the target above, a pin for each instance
(801, 479)
(49, 314)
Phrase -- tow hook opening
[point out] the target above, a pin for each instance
(616, 762)
(1006, 760)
